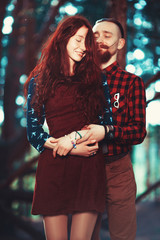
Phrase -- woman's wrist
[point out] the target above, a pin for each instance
(49, 143)
(75, 135)
(72, 135)
(73, 139)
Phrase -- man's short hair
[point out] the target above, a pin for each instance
(113, 21)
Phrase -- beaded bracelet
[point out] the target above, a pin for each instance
(73, 143)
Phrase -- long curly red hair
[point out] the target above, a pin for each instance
(53, 68)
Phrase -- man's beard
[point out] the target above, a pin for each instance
(103, 57)
(102, 53)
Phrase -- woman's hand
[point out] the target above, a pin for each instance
(85, 149)
(51, 142)
(63, 146)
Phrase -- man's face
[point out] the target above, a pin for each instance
(107, 35)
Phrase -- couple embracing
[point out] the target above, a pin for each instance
(95, 112)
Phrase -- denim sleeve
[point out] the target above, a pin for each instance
(35, 133)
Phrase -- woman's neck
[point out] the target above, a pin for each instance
(71, 63)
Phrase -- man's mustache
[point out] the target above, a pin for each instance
(103, 46)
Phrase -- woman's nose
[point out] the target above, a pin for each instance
(83, 47)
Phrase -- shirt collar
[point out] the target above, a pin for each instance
(111, 68)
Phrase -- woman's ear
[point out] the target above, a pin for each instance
(121, 43)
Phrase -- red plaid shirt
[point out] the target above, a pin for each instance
(128, 108)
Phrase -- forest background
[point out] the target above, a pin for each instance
(25, 25)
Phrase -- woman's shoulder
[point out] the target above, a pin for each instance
(33, 81)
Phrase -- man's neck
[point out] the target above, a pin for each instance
(110, 61)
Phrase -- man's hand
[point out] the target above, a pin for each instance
(85, 149)
(96, 132)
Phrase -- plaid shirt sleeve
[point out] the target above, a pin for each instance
(35, 133)
(134, 131)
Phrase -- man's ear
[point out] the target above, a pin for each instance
(121, 43)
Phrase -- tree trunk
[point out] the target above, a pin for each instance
(119, 12)
(11, 86)
(3, 5)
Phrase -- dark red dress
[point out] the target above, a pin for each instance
(65, 185)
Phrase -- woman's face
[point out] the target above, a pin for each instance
(76, 48)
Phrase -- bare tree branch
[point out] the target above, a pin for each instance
(157, 96)
(22, 223)
(24, 168)
(16, 195)
(119, 12)
(153, 79)
(3, 5)
(148, 191)
(50, 18)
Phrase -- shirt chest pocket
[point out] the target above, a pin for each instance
(119, 102)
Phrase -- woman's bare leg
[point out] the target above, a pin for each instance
(83, 225)
(56, 227)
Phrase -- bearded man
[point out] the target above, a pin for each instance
(127, 94)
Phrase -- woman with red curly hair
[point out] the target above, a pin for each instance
(65, 87)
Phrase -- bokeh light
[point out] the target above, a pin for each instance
(138, 71)
(138, 6)
(70, 9)
(20, 100)
(7, 25)
(23, 78)
(10, 7)
(138, 21)
(157, 85)
(130, 56)
(5, 41)
(1, 115)
(138, 54)
(157, 50)
(6, 29)
(4, 61)
(145, 40)
(8, 20)
(23, 122)
(150, 92)
(147, 25)
(131, 68)
(54, 2)
(143, 3)
(152, 117)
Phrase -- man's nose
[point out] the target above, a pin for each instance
(99, 39)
